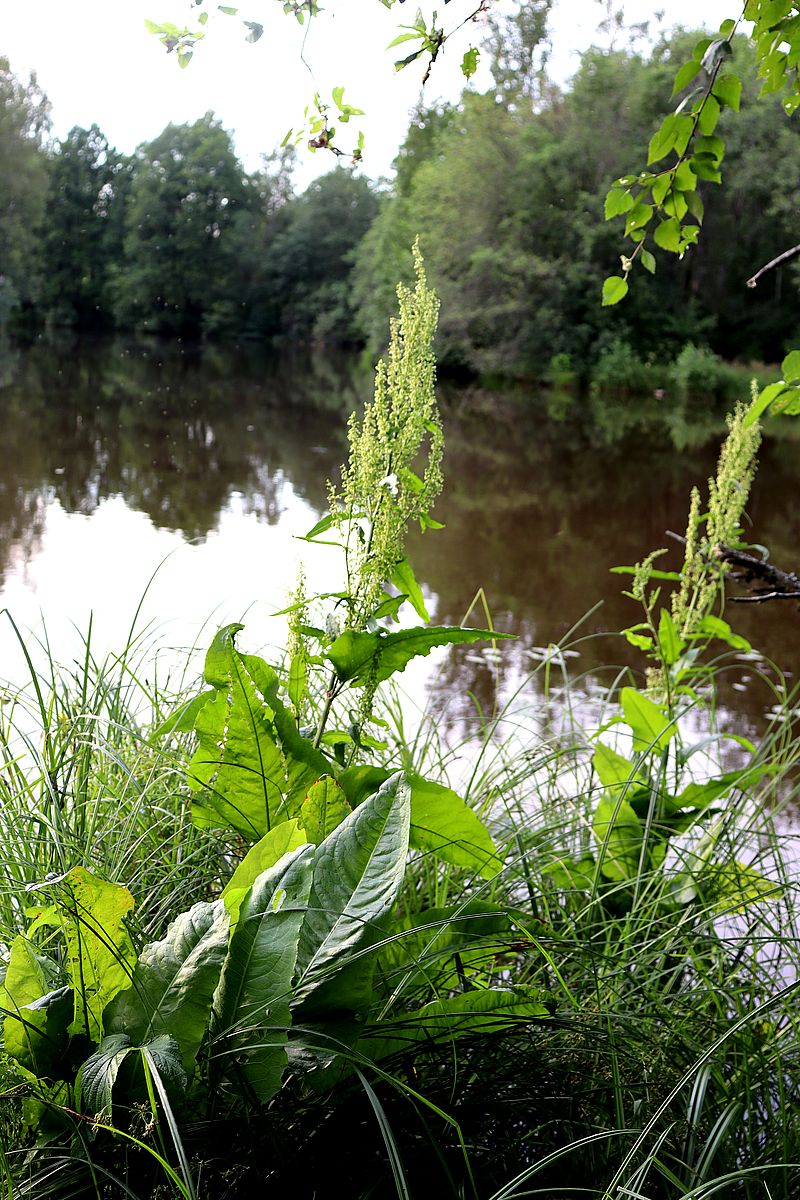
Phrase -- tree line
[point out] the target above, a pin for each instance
(505, 189)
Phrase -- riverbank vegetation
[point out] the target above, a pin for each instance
(505, 188)
(260, 932)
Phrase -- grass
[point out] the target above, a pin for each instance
(666, 1064)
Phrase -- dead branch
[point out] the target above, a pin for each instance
(775, 262)
(765, 581)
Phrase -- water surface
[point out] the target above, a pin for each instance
(203, 465)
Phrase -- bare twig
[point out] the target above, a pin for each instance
(775, 262)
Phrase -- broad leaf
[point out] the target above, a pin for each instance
(468, 1014)
(34, 1036)
(100, 954)
(443, 823)
(615, 288)
(174, 981)
(98, 1074)
(358, 872)
(405, 581)
(323, 809)
(252, 1001)
(652, 729)
(619, 834)
(251, 767)
(279, 841)
(612, 769)
(359, 656)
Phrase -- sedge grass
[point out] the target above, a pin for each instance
(669, 1064)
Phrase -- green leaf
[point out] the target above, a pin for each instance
(298, 678)
(252, 1002)
(709, 116)
(728, 91)
(445, 825)
(791, 366)
(35, 1037)
(619, 834)
(726, 28)
(615, 288)
(611, 768)
(667, 234)
(685, 75)
(174, 981)
(469, 63)
(405, 581)
(670, 643)
(281, 840)
(639, 215)
(184, 717)
(712, 146)
(618, 201)
(715, 627)
(652, 729)
(98, 1074)
(251, 768)
(323, 809)
(361, 656)
(765, 398)
(358, 872)
(100, 954)
(700, 796)
(483, 1011)
(663, 139)
(648, 261)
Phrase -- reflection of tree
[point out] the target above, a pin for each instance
(173, 429)
(537, 513)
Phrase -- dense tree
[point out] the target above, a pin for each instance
(83, 233)
(187, 187)
(24, 122)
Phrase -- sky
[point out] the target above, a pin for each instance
(97, 63)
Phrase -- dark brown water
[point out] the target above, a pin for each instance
(117, 457)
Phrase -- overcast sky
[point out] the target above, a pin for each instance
(97, 64)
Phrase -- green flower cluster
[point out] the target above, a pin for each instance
(393, 474)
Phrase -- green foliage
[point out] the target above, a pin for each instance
(24, 124)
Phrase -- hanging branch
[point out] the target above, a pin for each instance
(775, 262)
(765, 581)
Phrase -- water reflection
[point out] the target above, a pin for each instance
(116, 454)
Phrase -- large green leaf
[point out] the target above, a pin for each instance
(468, 1014)
(651, 727)
(619, 834)
(361, 656)
(443, 823)
(324, 808)
(433, 951)
(251, 767)
(279, 841)
(35, 1037)
(98, 1074)
(100, 954)
(358, 872)
(174, 981)
(252, 1002)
